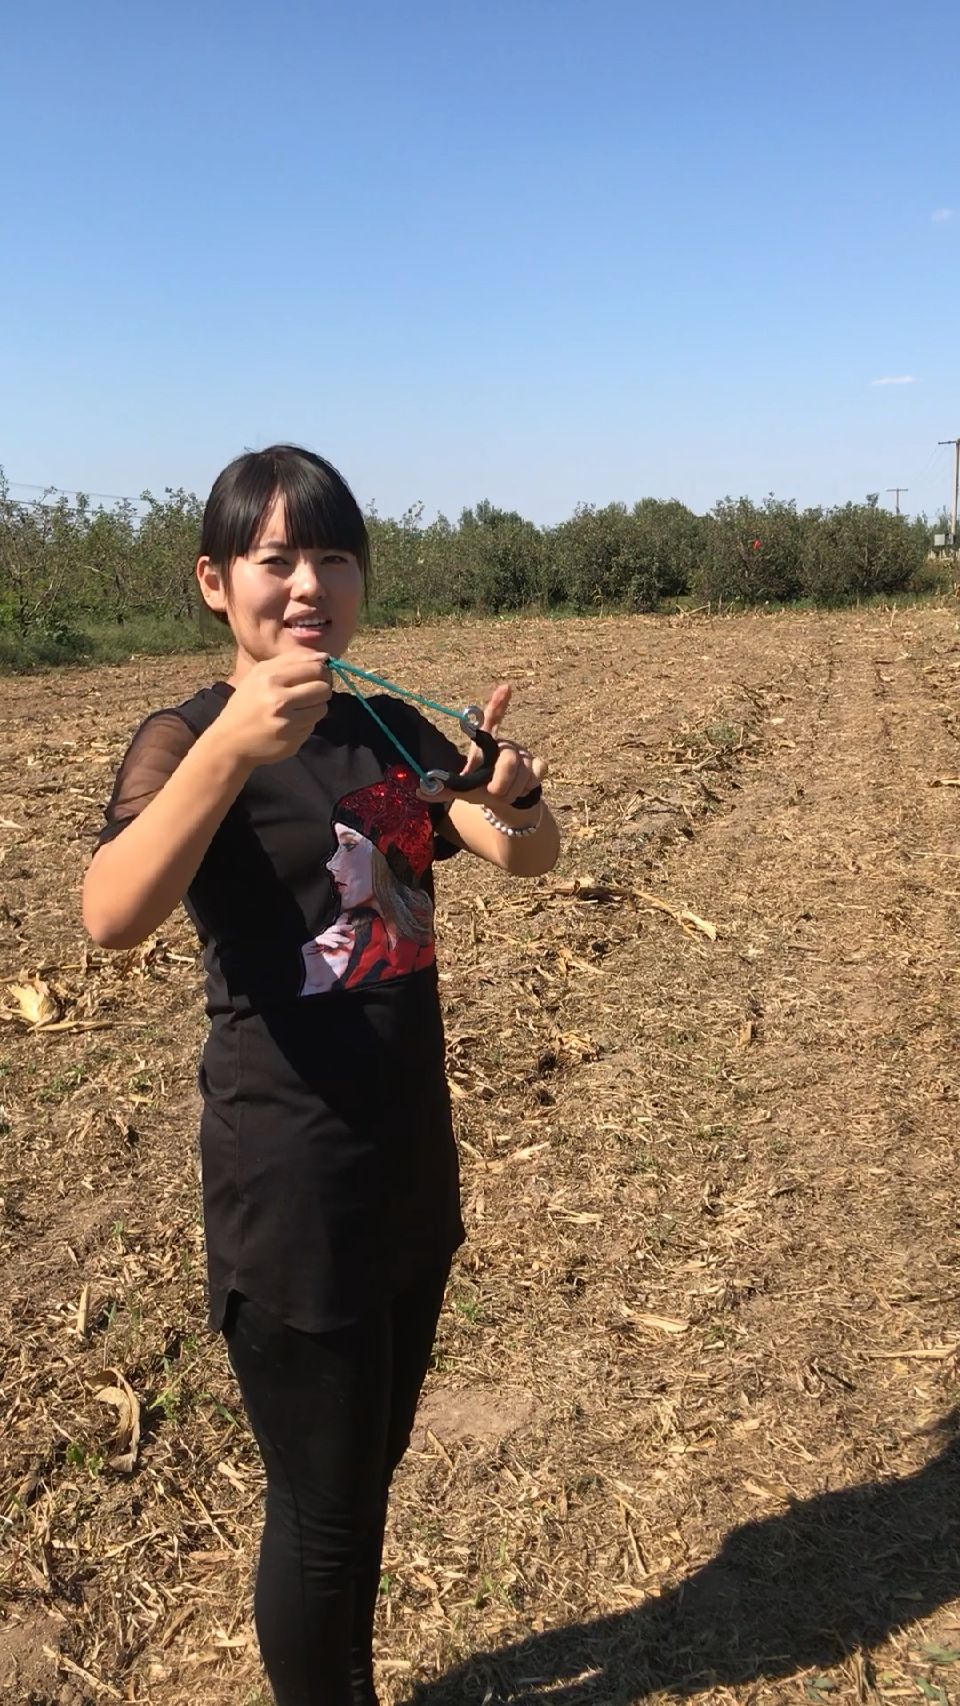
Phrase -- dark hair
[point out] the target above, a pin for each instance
(321, 511)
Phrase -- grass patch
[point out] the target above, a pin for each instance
(103, 643)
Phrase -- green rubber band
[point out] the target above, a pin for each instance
(338, 668)
(392, 687)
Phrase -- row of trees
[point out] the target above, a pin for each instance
(66, 566)
(635, 558)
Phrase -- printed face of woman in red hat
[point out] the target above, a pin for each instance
(391, 817)
(384, 845)
(351, 868)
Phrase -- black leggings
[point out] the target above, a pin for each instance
(332, 1414)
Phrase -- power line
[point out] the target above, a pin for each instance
(921, 473)
(898, 490)
(72, 492)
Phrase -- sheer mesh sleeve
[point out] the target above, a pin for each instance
(150, 760)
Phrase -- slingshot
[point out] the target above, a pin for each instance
(433, 782)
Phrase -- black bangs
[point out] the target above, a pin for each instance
(320, 509)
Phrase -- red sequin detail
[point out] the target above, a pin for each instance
(392, 815)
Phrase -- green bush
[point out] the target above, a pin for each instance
(671, 541)
(858, 551)
(497, 560)
(396, 549)
(600, 560)
(935, 578)
(752, 553)
(20, 653)
(492, 561)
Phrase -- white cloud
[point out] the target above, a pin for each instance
(895, 379)
(943, 215)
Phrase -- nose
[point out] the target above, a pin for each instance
(308, 581)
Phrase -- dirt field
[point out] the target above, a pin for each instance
(690, 1429)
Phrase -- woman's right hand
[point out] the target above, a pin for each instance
(276, 706)
(327, 957)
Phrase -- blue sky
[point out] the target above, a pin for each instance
(541, 251)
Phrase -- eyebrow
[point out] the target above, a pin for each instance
(282, 545)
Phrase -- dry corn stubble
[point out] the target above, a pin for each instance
(703, 1334)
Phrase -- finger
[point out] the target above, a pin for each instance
(300, 717)
(496, 707)
(305, 695)
(524, 782)
(301, 665)
(512, 782)
(493, 714)
(476, 756)
(531, 775)
(507, 771)
(473, 761)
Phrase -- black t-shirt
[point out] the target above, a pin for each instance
(329, 1167)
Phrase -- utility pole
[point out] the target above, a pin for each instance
(956, 486)
(898, 490)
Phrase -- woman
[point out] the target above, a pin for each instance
(331, 1208)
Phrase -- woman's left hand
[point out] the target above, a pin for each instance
(517, 772)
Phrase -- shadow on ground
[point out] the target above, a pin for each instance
(830, 1576)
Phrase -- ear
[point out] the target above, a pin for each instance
(210, 582)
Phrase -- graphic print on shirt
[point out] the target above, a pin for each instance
(384, 928)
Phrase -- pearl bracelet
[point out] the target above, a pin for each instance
(517, 831)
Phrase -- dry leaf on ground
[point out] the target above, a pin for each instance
(36, 1002)
(127, 1404)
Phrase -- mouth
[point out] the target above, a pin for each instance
(313, 627)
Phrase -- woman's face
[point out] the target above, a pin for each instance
(351, 867)
(282, 598)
